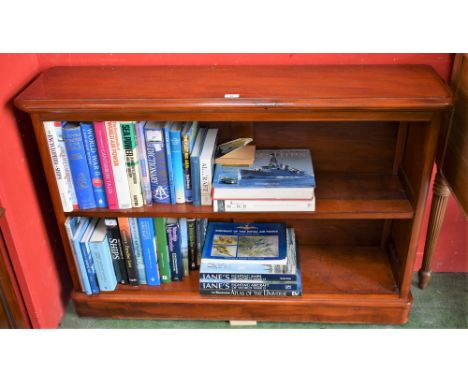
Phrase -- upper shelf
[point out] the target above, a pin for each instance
(257, 88)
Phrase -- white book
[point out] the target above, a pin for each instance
(58, 155)
(207, 155)
(243, 205)
(117, 154)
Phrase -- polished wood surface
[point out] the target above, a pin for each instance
(372, 131)
(452, 165)
(13, 314)
(264, 88)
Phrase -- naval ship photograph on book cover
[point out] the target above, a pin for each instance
(273, 174)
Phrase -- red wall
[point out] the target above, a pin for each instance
(38, 258)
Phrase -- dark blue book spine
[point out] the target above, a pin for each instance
(170, 167)
(92, 155)
(246, 286)
(79, 166)
(90, 270)
(155, 151)
(175, 252)
(148, 245)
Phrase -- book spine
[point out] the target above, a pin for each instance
(148, 245)
(106, 164)
(177, 165)
(84, 283)
(247, 286)
(175, 253)
(97, 181)
(103, 265)
(59, 161)
(132, 163)
(90, 269)
(200, 232)
(235, 292)
(170, 166)
(144, 171)
(115, 246)
(192, 243)
(239, 277)
(195, 173)
(162, 250)
(117, 156)
(184, 245)
(186, 165)
(66, 164)
(137, 250)
(263, 205)
(127, 247)
(79, 166)
(157, 166)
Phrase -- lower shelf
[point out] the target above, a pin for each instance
(340, 284)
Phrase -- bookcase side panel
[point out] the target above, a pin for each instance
(415, 171)
(54, 194)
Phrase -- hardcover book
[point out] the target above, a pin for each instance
(192, 243)
(244, 243)
(162, 250)
(177, 162)
(115, 246)
(75, 227)
(79, 165)
(92, 155)
(137, 250)
(119, 171)
(170, 167)
(195, 167)
(99, 248)
(132, 163)
(148, 246)
(87, 257)
(127, 247)
(265, 205)
(207, 156)
(144, 171)
(155, 150)
(188, 134)
(275, 174)
(59, 158)
(174, 247)
(106, 164)
(184, 245)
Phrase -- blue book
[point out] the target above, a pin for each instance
(177, 162)
(195, 167)
(245, 243)
(148, 246)
(274, 174)
(184, 244)
(156, 153)
(100, 251)
(78, 165)
(174, 247)
(188, 135)
(87, 257)
(76, 227)
(92, 155)
(136, 243)
(170, 171)
(255, 270)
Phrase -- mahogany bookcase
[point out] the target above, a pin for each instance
(372, 131)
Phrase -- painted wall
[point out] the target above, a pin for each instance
(38, 257)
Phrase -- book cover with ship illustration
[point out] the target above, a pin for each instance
(272, 170)
(243, 243)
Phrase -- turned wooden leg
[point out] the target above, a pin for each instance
(441, 193)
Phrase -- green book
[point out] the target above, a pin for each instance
(162, 250)
(132, 164)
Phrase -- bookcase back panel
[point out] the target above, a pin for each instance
(335, 146)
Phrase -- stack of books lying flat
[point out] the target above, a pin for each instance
(278, 180)
(258, 259)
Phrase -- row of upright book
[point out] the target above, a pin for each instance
(125, 164)
(134, 251)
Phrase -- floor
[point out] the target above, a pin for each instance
(443, 305)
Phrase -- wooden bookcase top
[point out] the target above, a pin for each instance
(259, 88)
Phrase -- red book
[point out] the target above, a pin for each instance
(106, 166)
